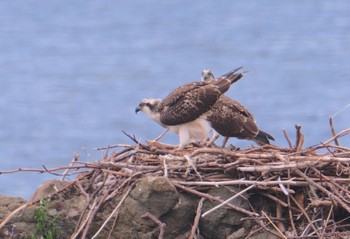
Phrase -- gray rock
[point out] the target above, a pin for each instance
(48, 188)
(22, 223)
(154, 195)
(180, 218)
(224, 221)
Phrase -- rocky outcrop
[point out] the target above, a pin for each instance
(224, 222)
(21, 223)
(154, 195)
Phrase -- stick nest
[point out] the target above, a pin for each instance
(306, 189)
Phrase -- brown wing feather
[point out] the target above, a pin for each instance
(179, 92)
(234, 105)
(231, 119)
(190, 101)
(189, 105)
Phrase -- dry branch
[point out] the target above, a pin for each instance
(333, 131)
(159, 223)
(213, 198)
(196, 219)
(228, 200)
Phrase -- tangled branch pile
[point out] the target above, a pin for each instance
(310, 187)
(306, 191)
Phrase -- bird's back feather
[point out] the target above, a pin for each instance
(190, 101)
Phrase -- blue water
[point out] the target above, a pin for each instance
(72, 73)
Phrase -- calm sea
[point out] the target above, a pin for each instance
(72, 73)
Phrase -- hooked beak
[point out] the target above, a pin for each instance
(137, 109)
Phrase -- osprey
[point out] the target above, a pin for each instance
(229, 118)
(183, 110)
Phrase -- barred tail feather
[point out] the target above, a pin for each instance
(263, 138)
(225, 81)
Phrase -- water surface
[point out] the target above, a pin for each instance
(72, 73)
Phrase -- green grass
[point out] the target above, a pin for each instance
(46, 225)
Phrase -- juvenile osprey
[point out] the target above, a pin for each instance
(229, 118)
(183, 110)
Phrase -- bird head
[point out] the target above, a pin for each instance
(150, 107)
(207, 75)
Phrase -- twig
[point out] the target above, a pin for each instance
(80, 226)
(85, 151)
(196, 219)
(113, 225)
(212, 198)
(75, 159)
(333, 131)
(210, 151)
(126, 154)
(114, 146)
(290, 214)
(92, 214)
(165, 167)
(95, 209)
(161, 135)
(118, 166)
(77, 232)
(105, 153)
(324, 177)
(124, 183)
(300, 138)
(258, 221)
(322, 189)
(228, 200)
(242, 182)
(277, 200)
(279, 218)
(82, 190)
(305, 215)
(191, 164)
(278, 230)
(159, 223)
(45, 170)
(112, 214)
(272, 168)
(340, 134)
(133, 138)
(327, 220)
(287, 138)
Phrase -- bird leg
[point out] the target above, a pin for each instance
(161, 135)
(184, 136)
(224, 142)
(214, 138)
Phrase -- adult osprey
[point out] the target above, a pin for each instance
(230, 118)
(183, 110)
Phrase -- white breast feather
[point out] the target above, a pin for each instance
(197, 129)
